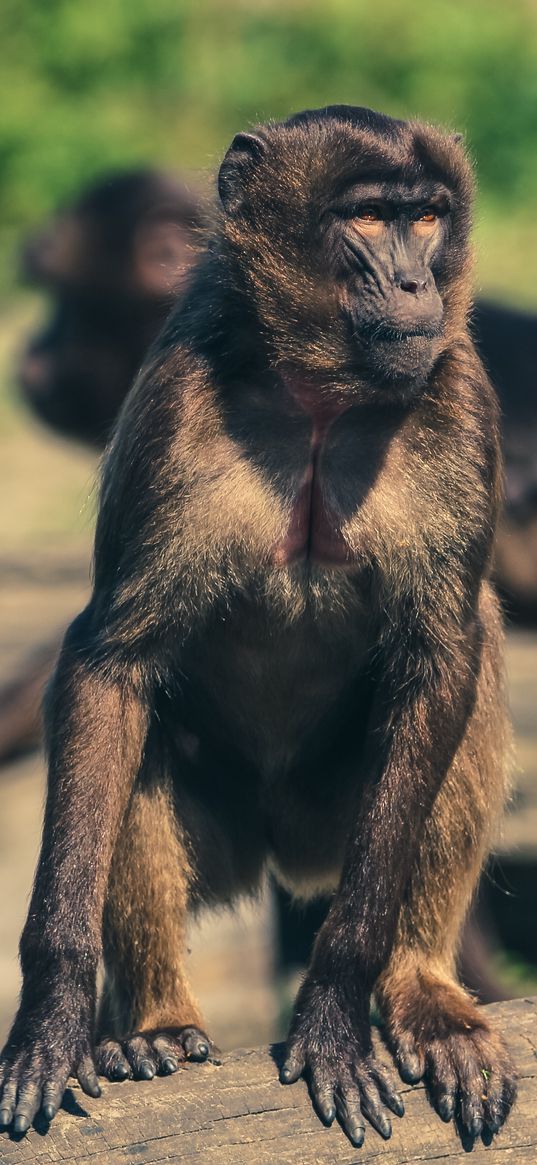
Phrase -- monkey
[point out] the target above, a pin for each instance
(111, 261)
(111, 297)
(292, 656)
(507, 341)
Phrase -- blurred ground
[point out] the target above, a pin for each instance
(46, 513)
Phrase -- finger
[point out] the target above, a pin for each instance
(373, 1110)
(8, 1102)
(29, 1101)
(293, 1067)
(322, 1094)
(387, 1086)
(87, 1077)
(348, 1107)
(52, 1098)
(169, 1056)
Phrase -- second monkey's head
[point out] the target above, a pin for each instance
(348, 231)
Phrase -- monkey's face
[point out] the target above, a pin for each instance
(350, 230)
(384, 242)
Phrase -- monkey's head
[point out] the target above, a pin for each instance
(349, 230)
(110, 263)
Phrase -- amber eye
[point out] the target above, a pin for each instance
(428, 214)
(369, 214)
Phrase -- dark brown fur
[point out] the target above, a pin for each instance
(111, 262)
(257, 683)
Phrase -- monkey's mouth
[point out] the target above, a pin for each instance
(387, 333)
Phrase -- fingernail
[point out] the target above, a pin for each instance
(356, 1134)
(21, 1124)
(385, 1128)
(49, 1112)
(445, 1109)
(197, 1051)
(410, 1070)
(146, 1070)
(169, 1065)
(475, 1126)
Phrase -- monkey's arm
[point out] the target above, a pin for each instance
(96, 732)
(424, 699)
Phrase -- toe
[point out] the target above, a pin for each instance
(140, 1057)
(442, 1081)
(410, 1060)
(195, 1043)
(111, 1062)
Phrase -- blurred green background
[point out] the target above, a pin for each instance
(87, 87)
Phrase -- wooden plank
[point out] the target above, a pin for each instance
(239, 1114)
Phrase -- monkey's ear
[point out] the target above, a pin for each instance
(56, 253)
(245, 152)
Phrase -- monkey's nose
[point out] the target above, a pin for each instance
(413, 285)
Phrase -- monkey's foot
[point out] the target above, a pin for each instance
(331, 1047)
(467, 1069)
(145, 1053)
(469, 1076)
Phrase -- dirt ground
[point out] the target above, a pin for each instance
(46, 515)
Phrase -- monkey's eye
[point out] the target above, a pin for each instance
(369, 214)
(428, 214)
(369, 218)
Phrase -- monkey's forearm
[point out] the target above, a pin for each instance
(96, 732)
(419, 746)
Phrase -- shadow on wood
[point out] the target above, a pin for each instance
(239, 1114)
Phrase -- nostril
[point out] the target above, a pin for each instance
(413, 285)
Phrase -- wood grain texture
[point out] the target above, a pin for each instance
(238, 1114)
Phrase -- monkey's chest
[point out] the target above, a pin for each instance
(325, 493)
(314, 525)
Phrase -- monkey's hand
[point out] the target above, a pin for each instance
(330, 1044)
(51, 1039)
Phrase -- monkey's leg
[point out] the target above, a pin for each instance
(149, 1021)
(435, 1028)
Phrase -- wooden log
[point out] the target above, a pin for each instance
(238, 1114)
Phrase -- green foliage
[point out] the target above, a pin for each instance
(86, 87)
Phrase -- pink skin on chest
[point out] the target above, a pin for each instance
(313, 532)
